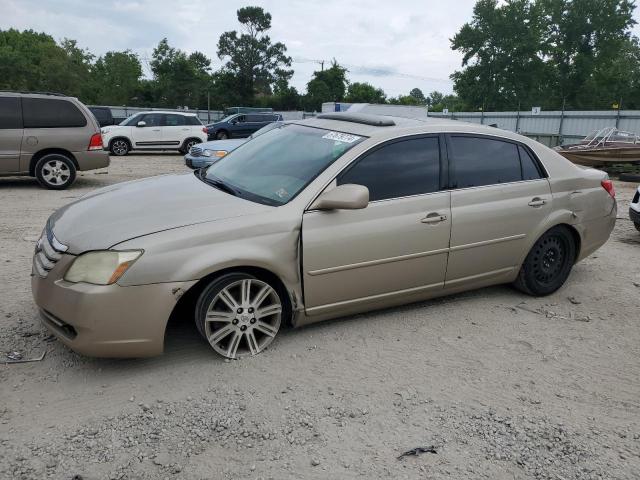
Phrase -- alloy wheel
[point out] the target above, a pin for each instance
(243, 318)
(55, 172)
(120, 147)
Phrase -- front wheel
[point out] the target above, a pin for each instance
(222, 135)
(55, 171)
(186, 146)
(239, 314)
(548, 264)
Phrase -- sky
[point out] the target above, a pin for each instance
(395, 45)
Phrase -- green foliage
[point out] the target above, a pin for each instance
(364, 93)
(255, 62)
(546, 53)
(326, 86)
(116, 78)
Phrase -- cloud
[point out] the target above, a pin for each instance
(395, 45)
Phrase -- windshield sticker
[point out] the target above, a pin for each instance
(341, 137)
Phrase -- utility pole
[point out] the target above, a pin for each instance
(321, 62)
(208, 107)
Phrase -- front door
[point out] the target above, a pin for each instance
(500, 197)
(395, 247)
(150, 135)
(10, 134)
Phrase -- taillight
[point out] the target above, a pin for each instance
(204, 130)
(608, 186)
(96, 142)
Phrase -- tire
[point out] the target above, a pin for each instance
(548, 264)
(222, 135)
(629, 177)
(188, 143)
(240, 314)
(119, 147)
(55, 171)
(637, 225)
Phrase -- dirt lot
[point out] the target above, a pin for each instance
(503, 385)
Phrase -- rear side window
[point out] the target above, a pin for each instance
(193, 121)
(174, 120)
(10, 115)
(530, 169)
(51, 113)
(481, 161)
(399, 169)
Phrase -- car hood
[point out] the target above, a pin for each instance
(227, 145)
(111, 215)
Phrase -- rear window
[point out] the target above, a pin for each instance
(174, 120)
(10, 117)
(51, 113)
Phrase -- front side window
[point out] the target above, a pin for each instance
(151, 119)
(274, 167)
(10, 116)
(479, 161)
(51, 113)
(400, 169)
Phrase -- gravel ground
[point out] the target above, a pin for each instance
(504, 386)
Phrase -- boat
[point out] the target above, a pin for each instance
(602, 147)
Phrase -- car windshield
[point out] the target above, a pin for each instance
(128, 119)
(274, 167)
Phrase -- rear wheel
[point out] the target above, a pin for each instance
(55, 171)
(637, 225)
(119, 147)
(239, 314)
(188, 143)
(548, 264)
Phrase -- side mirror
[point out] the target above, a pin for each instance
(141, 124)
(343, 197)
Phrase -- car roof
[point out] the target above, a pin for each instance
(388, 126)
(186, 114)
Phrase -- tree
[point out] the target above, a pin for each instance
(180, 79)
(547, 53)
(251, 57)
(418, 95)
(326, 86)
(116, 78)
(364, 93)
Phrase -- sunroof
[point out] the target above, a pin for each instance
(374, 120)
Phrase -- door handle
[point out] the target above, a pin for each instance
(432, 218)
(537, 202)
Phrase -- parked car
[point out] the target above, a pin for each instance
(207, 153)
(103, 115)
(367, 212)
(48, 136)
(634, 209)
(155, 131)
(240, 125)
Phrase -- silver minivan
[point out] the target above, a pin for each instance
(48, 136)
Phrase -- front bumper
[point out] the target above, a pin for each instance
(634, 216)
(105, 320)
(198, 162)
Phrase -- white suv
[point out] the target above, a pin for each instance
(154, 131)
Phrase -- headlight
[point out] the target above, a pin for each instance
(101, 268)
(214, 153)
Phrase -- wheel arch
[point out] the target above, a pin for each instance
(47, 151)
(120, 137)
(187, 302)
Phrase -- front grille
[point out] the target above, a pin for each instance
(195, 151)
(48, 251)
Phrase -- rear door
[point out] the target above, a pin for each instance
(174, 129)
(150, 135)
(500, 195)
(395, 247)
(10, 134)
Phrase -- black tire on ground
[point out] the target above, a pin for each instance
(119, 147)
(629, 177)
(222, 135)
(548, 264)
(234, 285)
(55, 171)
(188, 143)
(637, 225)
